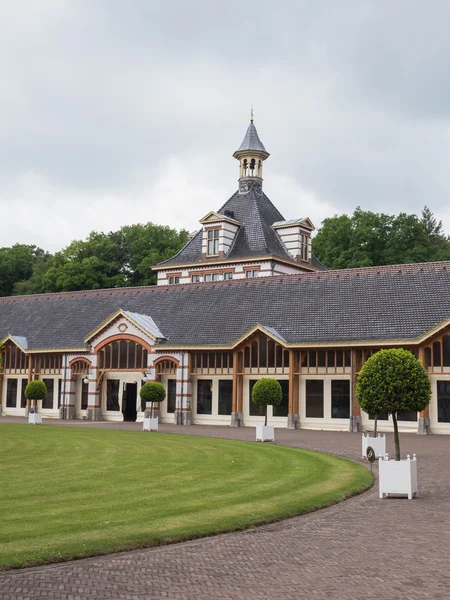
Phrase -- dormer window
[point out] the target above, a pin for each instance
(304, 247)
(213, 242)
(174, 279)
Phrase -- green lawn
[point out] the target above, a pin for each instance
(70, 492)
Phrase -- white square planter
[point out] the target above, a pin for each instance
(265, 433)
(398, 477)
(34, 419)
(150, 424)
(377, 443)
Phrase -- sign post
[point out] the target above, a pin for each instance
(370, 454)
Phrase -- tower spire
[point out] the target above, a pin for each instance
(250, 154)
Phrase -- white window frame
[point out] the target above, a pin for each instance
(212, 242)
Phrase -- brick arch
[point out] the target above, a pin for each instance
(122, 338)
(122, 353)
(79, 359)
(165, 357)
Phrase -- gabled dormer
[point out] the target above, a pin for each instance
(219, 232)
(296, 236)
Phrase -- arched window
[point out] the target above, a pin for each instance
(126, 355)
(80, 367)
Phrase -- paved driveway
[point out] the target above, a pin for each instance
(361, 549)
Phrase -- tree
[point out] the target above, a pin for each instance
(33, 285)
(143, 246)
(370, 239)
(393, 381)
(117, 259)
(267, 391)
(16, 264)
(36, 390)
(152, 391)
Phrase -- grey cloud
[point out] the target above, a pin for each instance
(351, 98)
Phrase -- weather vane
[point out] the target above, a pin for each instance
(251, 113)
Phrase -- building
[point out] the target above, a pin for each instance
(244, 299)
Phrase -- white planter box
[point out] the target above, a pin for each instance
(377, 443)
(265, 433)
(398, 477)
(150, 424)
(35, 419)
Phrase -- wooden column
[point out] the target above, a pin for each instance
(355, 424)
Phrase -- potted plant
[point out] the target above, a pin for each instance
(266, 391)
(35, 390)
(394, 381)
(151, 392)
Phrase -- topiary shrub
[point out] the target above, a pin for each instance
(393, 381)
(152, 391)
(267, 391)
(36, 390)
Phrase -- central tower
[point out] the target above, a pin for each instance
(251, 154)
(247, 236)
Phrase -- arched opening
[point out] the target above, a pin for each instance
(122, 363)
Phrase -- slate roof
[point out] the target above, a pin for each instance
(255, 237)
(372, 304)
(251, 141)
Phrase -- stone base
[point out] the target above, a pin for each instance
(423, 427)
(182, 417)
(237, 419)
(293, 421)
(94, 414)
(67, 413)
(355, 424)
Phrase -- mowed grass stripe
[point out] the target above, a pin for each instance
(72, 492)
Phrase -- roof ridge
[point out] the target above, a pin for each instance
(444, 265)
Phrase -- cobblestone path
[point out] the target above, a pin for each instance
(361, 549)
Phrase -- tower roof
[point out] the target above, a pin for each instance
(251, 141)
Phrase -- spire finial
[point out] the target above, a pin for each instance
(251, 114)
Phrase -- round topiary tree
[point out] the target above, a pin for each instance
(393, 381)
(267, 391)
(152, 391)
(36, 390)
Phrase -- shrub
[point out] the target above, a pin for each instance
(152, 391)
(35, 390)
(267, 391)
(393, 381)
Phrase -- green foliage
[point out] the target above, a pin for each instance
(152, 391)
(393, 381)
(16, 264)
(116, 259)
(36, 390)
(267, 391)
(370, 239)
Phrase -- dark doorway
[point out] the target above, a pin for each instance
(129, 402)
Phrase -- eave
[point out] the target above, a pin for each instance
(228, 261)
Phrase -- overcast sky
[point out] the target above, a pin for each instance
(115, 112)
